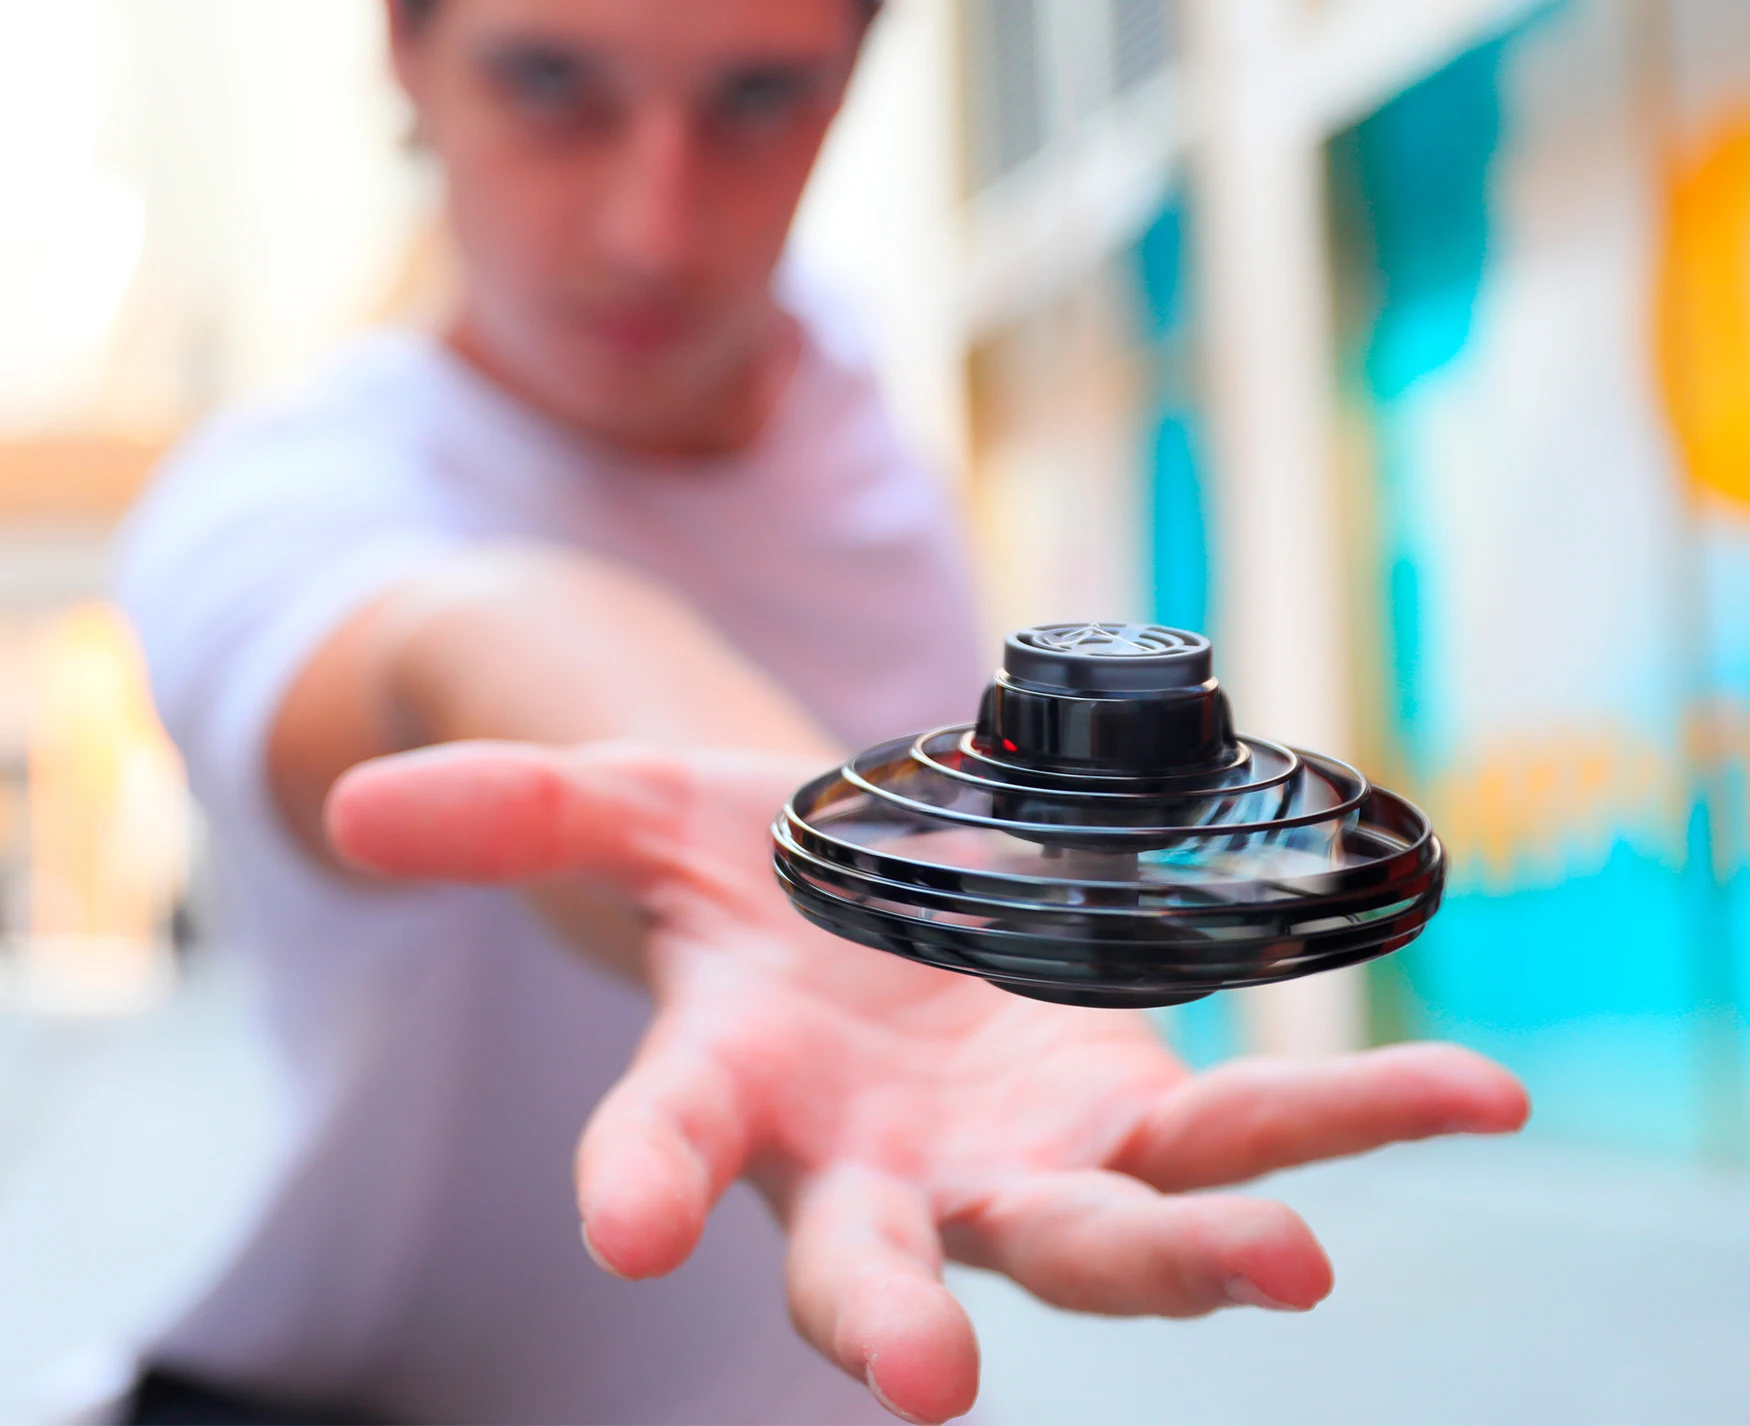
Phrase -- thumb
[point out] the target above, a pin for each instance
(500, 812)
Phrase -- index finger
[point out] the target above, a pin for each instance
(500, 812)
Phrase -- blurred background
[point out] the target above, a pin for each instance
(1402, 347)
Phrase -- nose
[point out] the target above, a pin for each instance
(648, 220)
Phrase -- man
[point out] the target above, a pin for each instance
(639, 518)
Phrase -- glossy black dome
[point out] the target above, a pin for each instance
(1102, 836)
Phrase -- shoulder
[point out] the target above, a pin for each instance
(345, 436)
(361, 398)
(283, 500)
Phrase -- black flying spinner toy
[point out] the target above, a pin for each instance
(1101, 836)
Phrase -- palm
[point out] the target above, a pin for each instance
(892, 1113)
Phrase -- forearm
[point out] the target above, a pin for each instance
(546, 646)
(527, 644)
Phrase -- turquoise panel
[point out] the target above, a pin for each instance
(1178, 526)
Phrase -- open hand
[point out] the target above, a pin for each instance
(892, 1114)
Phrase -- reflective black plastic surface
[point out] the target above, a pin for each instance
(1101, 836)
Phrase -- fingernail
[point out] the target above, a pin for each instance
(881, 1396)
(1246, 1293)
(595, 1255)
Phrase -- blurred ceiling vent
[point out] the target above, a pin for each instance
(1034, 68)
(1142, 41)
(1005, 86)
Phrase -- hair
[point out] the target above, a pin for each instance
(418, 13)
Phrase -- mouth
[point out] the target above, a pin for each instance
(632, 331)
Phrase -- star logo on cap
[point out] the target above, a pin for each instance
(1100, 640)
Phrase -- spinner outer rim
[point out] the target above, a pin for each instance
(990, 955)
(1057, 958)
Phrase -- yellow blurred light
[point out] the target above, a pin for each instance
(107, 817)
(1704, 313)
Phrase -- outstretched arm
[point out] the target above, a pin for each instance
(526, 643)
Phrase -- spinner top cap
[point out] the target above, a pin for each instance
(1107, 658)
(1102, 836)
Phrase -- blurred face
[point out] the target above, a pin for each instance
(622, 175)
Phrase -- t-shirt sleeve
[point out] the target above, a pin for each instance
(256, 543)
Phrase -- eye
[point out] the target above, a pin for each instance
(762, 100)
(551, 85)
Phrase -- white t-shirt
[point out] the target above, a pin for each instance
(421, 1255)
